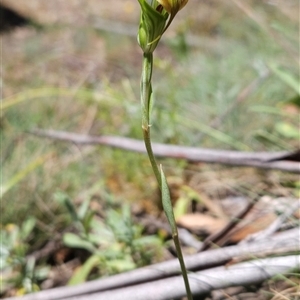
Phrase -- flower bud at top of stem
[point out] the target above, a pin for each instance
(152, 24)
(156, 17)
(173, 6)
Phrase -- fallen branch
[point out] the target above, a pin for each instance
(266, 160)
(252, 272)
(287, 241)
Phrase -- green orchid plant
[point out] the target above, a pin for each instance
(156, 17)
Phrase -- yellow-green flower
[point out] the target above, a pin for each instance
(173, 6)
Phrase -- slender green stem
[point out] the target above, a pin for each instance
(148, 145)
(146, 98)
(182, 266)
(146, 94)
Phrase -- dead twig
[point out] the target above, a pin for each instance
(289, 239)
(204, 281)
(266, 160)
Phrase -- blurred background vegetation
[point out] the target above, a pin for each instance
(226, 77)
